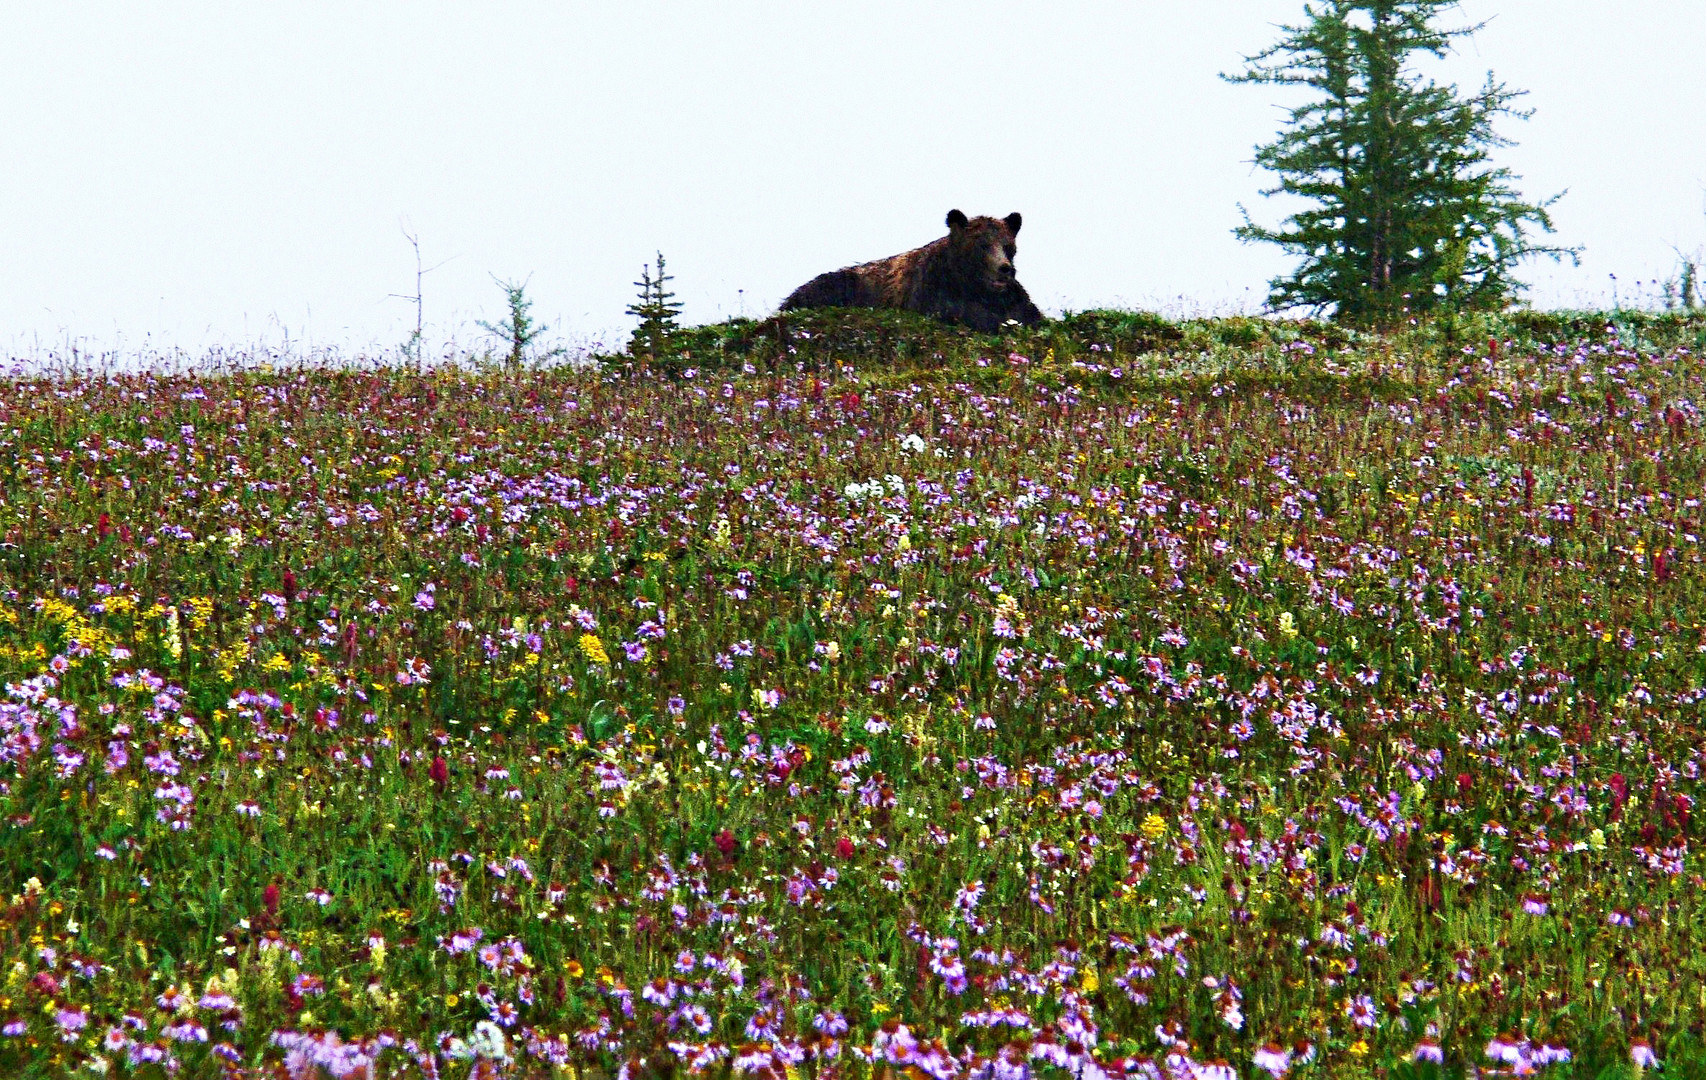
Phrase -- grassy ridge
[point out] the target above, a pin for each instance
(870, 691)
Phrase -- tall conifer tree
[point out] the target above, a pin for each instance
(1406, 211)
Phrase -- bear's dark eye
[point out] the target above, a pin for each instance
(1011, 250)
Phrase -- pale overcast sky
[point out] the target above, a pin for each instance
(185, 174)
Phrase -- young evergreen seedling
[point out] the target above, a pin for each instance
(656, 308)
(518, 329)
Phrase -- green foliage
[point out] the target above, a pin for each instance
(816, 339)
(1406, 214)
(1682, 293)
(823, 338)
(1142, 345)
(517, 330)
(657, 309)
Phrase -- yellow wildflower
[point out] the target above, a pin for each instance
(593, 649)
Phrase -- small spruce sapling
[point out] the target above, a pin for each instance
(1683, 291)
(656, 309)
(518, 329)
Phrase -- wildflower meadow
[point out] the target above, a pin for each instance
(860, 697)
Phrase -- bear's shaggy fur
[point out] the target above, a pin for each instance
(965, 277)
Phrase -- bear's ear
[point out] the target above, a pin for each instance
(956, 219)
(1013, 221)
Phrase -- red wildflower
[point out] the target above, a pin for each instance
(440, 772)
(1619, 796)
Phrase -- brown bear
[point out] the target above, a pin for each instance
(965, 277)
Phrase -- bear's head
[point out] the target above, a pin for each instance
(983, 249)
